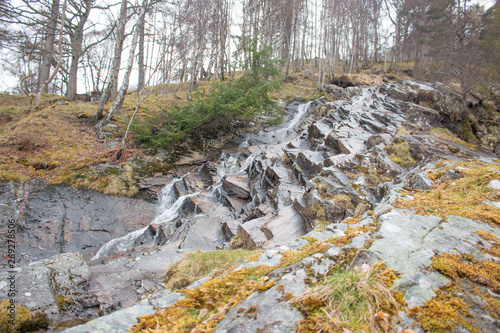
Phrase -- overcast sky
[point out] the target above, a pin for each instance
(7, 82)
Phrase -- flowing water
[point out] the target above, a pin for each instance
(172, 205)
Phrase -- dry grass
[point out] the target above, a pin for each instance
(400, 152)
(48, 141)
(196, 265)
(461, 197)
(357, 300)
(445, 134)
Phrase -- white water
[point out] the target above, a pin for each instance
(168, 210)
(170, 205)
(120, 244)
(278, 135)
(301, 111)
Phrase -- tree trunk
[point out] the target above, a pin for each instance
(76, 51)
(45, 84)
(117, 104)
(113, 80)
(140, 60)
(48, 52)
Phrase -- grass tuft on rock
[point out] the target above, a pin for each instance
(400, 152)
(196, 265)
(357, 300)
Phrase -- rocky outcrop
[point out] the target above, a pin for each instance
(335, 166)
(55, 219)
(58, 286)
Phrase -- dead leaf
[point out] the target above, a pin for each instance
(203, 313)
(383, 320)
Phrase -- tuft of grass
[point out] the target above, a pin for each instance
(461, 197)
(196, 265)
(446, 134)
(357, 300)
(400, 152)
(343, 200)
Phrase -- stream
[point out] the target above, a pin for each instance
(218, 198)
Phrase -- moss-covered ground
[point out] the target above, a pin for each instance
(473, 293)
(466, 196)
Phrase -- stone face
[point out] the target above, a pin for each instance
(58, 286)
(494, 184)
(122, 320)
(261, 312)
(374, 140)
(420, 181)
(238, 186)
(269, 231)
(64, 219)
(408, 242)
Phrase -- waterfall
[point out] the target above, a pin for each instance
(119, 244)
(278, 135)
(171, 204)
(168, 210)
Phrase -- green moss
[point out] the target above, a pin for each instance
(400, 152)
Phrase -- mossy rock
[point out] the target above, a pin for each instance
(401, 153)
(144, 167)
(16, 318)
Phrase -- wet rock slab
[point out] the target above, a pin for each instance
(59, 219)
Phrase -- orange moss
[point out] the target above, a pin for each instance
(494, 250)
(204, 307)
(442, 313)
(351, 232)
(462, 197)
(483, 272)
(217, 295)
